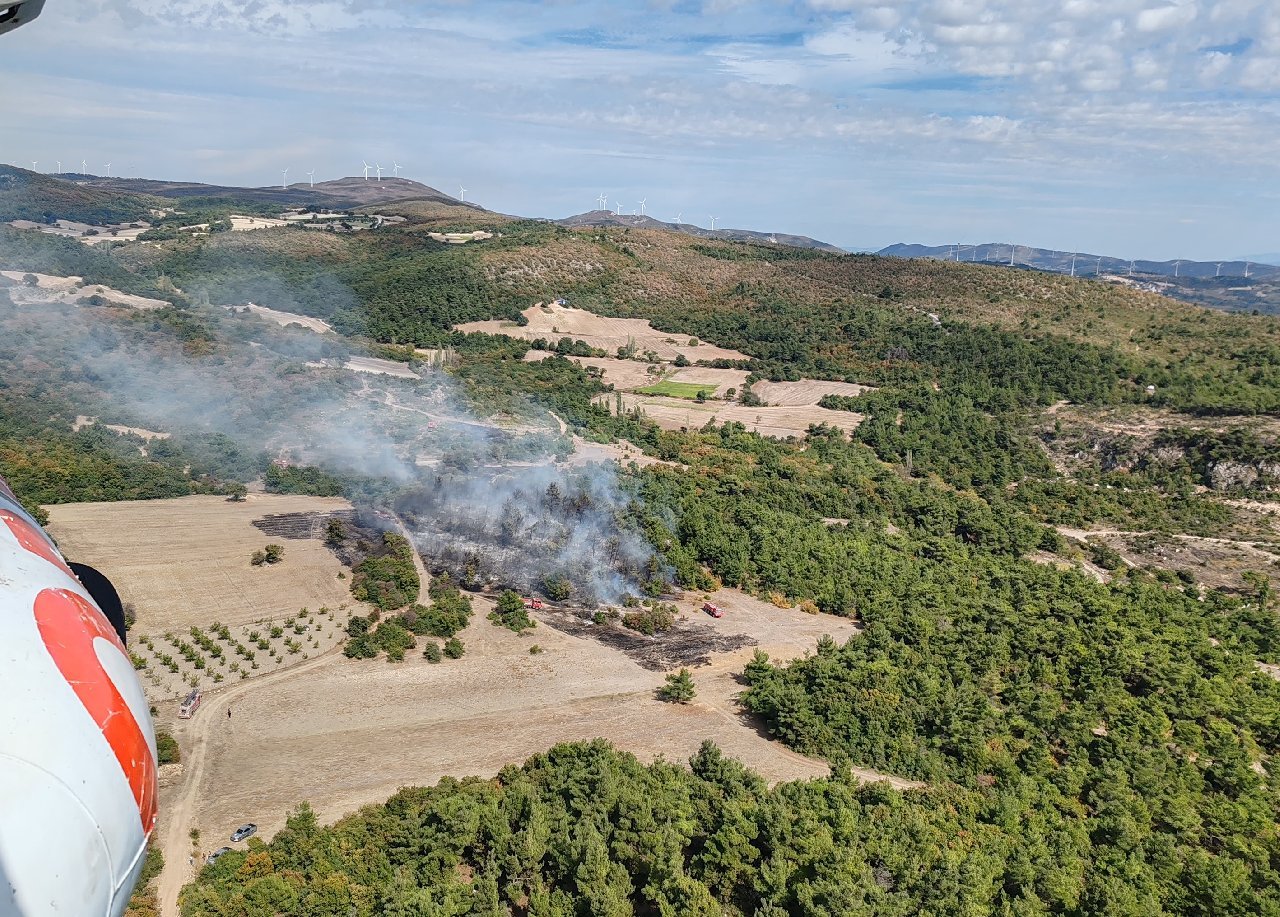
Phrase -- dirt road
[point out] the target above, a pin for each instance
(174, 841)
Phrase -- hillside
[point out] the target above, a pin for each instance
(1039, 511)
(26, 195)
(1217, 284)
(607, 218)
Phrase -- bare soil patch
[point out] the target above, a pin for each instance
(247, 224)
(72, 291)
(83, 421)
(345, 733)
(384, 367)
(1215, 562)
(779, 422)
(554, 322)
(284, 319)
(805, 392)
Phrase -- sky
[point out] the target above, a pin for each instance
(1135, 128)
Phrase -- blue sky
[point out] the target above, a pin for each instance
(1139, 128)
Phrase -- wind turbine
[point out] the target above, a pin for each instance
(34, 163)
(84, 167)
(59, 162)
(642, 201)
(1176, 265)
(679, 217)
(1013, 250)
(366, 170)
(1131, 268)
(617, 211)
(108, 170)
(395, 169)
(1218, 272)
(1073, 263)
(462, 193)
(1246, 270)
(378, 168)
(1098, 270)
(713, 223)
(311, 176)
(603, 201)
(284, 180)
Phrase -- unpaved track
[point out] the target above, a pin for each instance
(175, 843)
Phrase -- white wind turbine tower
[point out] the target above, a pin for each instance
(366, 170)
(1218, 272)
(84, 165)
(1013, 251)
(603, 201)
(1176, 265)
(642, 202)
(1131, 263)
(311, 176)
(59, 162)
(617, 211)
(284, 179)
(1073, 264)
(395, 169)
(713, 223)
(462, 193)
(34, 163)
(378, 168)
(679, 217)
(1098, 270)
(108, 167)
(1246, 270)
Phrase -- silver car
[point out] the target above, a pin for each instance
(243, 831)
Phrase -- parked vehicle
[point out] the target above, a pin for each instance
(243, 831)
(190, 705)
(713, 610)
(213, 857)
(535, 604)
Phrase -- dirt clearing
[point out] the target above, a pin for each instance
(554, 322)
(779, 422)
(72, 291)
(285, 319)
(345, 733)
(805, 392)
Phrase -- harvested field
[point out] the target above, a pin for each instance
(185, 561)
(780, 422)
(383, 367)
(72, 291)
(246, 224)
(300, 526)
(356, 731)
(805, 392)
(554, 322)
(284, 319)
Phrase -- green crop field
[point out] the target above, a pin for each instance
(688, 390)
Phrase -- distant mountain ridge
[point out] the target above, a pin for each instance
(1217, 284)
(1087, 264)
(340, 194)
(640, 221)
